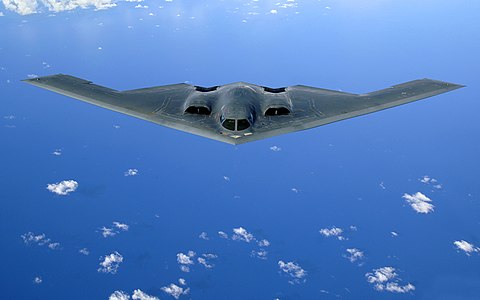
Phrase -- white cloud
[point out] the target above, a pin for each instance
(226, 178)
(63, 187)
(26, 7)
(203, 236)
(428, 180)
(54, 246)
(37, 280)
(84, 251)
(110, 263)
(140, 295)
(334, 231)
(185, 259)
(223, 235)
(386, 279)
(262, 254)
(273, 11)
(131, 172)
(204, 262)
(263, 243)
(182, 281)
(396, 288)
(121, 226)
(419, 202)
(9, 117)
(293, 270)
(275, 148)
(119, 295)
(39, 239)
(1, 14)
(354, 254)
(242, 234)
(107, 232)
(175, 291)
(57, 152)
(23, 7)
(466, 247)
(394, 234)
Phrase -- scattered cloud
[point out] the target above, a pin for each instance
(54, 246)
(27, 7)
(1, 14)
(354, 254)
(185, 260)
(175, 291)
(226, 178)
(63, 187)
(334, 231)
(110, 263)
(223, 235)
(84, 251)
(131, 172)
(9, 117)
(203, 236)
(293, 270)
(37, 280)
(382, 185)
(275, 148)
(263, 243)
(57, 152)
(262, 254)
(140, 295)
(394, 234)
(431, 181)
(419, 202)
(182, 281)
(107, 232)
(137, 295)
(119, 295)
(121, 226)
(295, 190)
(274, 11)
(204, 260)
(30, 238)
(466, 247)
(386, 279)
(242, 234)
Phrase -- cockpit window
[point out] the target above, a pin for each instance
(229, 124)
(242, 124)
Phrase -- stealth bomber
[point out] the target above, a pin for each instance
(241, 112)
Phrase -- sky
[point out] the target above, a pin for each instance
(100, 205)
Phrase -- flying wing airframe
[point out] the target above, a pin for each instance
(241, 112)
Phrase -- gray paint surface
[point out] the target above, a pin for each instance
(309, 107)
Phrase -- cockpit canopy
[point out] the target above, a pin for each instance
(236, 124)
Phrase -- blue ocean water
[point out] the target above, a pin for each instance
(349, 175)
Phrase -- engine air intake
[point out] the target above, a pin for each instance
(198, 110)
(206, 89)
(277, 111)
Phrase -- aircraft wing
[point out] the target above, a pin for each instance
(312, 107)
(163, 105)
